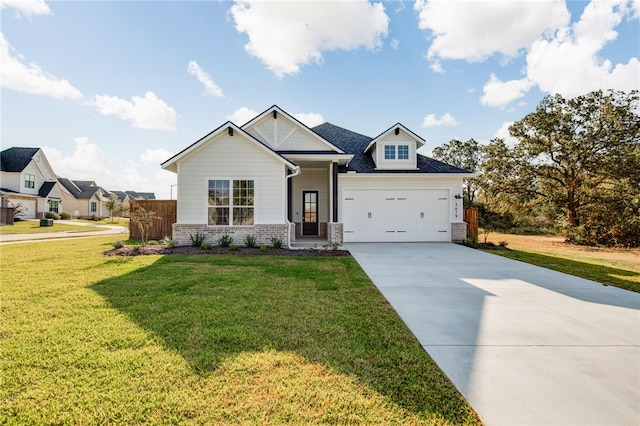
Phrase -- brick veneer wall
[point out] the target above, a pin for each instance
(263, 233)
(458, 231)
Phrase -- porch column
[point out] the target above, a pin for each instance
(289, 199)
(334, 191)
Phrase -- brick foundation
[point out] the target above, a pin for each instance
(263, 233)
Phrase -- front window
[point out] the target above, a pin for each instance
(389, 152)
(224, 209)
(243, 202)
(30, 181)
(94, 207)
(53, 206)
(218, 202)
(403, 152)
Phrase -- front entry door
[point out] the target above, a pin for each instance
(310, 209)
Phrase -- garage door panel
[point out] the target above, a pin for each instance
(395, 215)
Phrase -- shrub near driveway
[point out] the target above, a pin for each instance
(207, 339)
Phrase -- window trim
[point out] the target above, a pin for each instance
(231, 207)
(405, 151)
(389, 152)
(93, 207)
(57, 204)
(29, 183)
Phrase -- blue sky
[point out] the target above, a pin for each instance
(112, 89)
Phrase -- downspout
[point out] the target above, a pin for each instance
(295, 173)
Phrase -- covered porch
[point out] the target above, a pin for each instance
(312, 199)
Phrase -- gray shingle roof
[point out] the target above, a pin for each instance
(46, 188)
(80, 189)
(355, 143)
(16, 159)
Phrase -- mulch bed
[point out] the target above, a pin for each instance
(255, 251)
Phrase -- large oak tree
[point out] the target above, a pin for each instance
(578, 156)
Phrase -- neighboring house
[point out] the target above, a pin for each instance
(133, 195)
(27, 179)
(125, 197)
(275, 177)
(86, 198)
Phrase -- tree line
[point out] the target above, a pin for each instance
(575, 167)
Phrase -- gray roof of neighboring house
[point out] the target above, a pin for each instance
(120, 194)
(81, 189)
(355, 143)
(141, 195)
(16, 159)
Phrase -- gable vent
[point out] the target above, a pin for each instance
(275, 114)
(397, 131)
(230, 131)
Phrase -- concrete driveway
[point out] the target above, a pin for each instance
(525, 345)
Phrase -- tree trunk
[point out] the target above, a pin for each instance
(572, 212)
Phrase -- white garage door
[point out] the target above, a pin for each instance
(396, 215)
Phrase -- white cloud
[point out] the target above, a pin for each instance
(89, 162)
(475, 30)
(204, 78)
(16, 75)
(445, 120)
(500, 93)
(395, 43)
(27, 7)
(503, 133)
(569, 63)
(86, 163)
(310, 119)
(242, 115)
(285, 35)
(149, 112)
(154, 156)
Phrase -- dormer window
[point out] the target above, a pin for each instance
(390, 152)
(403, 152)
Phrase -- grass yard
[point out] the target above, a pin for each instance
(195, 339)
(616, 267)
(33, 227)
(116, 221)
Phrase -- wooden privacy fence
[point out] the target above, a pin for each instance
(6, 215)
(471, 217)
(162, 227)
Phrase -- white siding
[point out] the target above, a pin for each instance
(283, 134)
(10, 180)
(393, 139)
(31, 169)
(231, 157)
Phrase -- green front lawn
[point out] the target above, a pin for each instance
(33, 227)
(115, 221)
(626, 275)
(202, 339)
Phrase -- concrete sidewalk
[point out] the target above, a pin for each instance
(25, 238)
(525, 345)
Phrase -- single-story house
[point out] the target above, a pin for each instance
(86, 198)
(27, 182)
(125, 198)
(276, 177)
